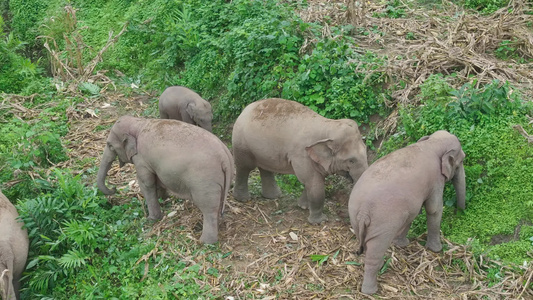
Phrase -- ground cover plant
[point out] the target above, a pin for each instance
(383, 64)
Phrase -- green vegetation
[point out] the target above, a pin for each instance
(486, 6)
(17, 73)
(232, 53)
(84, 248)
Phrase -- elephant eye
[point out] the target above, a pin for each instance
(352, 161)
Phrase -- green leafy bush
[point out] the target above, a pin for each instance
(17, 73)
(238, 52)
(27, 17)
(77, 237)
(486, 6)
(31, 147)
(392, 10)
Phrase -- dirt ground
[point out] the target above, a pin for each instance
(272, 249)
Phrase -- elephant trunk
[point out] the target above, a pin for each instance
(105, 165)
(460, 186)
(204, 122)
(208, 127)
(355, 173)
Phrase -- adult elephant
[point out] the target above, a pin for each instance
(176, 156)
(183, 104)
(14, 246)
(282, 136)
(390, 194)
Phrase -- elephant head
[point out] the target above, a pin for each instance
(344, 153)
(451, 156)
(121, 142)
(201, 114)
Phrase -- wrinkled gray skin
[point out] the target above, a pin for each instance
(282, 136)
(175, 156)
(181, 103)
(390, 194)
(14, 245)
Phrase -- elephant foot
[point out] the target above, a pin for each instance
(271, 193)
(401, 242)
(369, 289)
(303, 203)
(155, 216)
(241, 196)
(434, 246)
(208, 239)
(152, 220)
(317, 219)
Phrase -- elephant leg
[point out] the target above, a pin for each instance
(208, 201)
(162, 192)
(148, 184)
(269, 186)
(315, 196)
(16, 288)
(401, 239)
(434, 215)
(210, 228)
(302, 201)
(240, 190)
(375, 251)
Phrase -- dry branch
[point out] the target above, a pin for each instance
(451, 40)
(68, 64)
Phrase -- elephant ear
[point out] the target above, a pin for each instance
(322, 153)
(423, 138)
(191, 110)
(448, 164)
(130, 145)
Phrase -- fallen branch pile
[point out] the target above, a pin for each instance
(448, 41)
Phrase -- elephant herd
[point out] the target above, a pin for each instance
(179, 154)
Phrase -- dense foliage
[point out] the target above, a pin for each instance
(17, 73)
(233, 53)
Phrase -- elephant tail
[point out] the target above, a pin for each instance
(227, 169)
(362, 226)
(6, 272)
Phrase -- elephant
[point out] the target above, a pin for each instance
(171, 155)
(183, 104)
(284, 136)
(391, 192)
(14, 245)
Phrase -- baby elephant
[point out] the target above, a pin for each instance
(13, 250)
(287, 137)
(390, 194)
(181, 103)
(176, 156)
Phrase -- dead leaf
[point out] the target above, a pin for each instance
(91, 112)
(293, 236)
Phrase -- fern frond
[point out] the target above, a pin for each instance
(72, 259)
